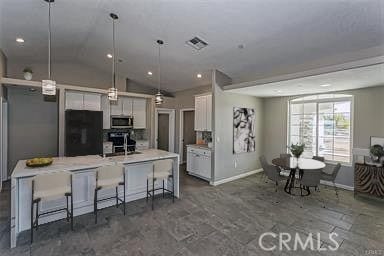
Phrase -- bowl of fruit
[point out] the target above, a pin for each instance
(39, 162)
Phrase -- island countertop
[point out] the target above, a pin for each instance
(88, 162)
(137, 168)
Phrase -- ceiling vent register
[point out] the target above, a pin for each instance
(197, 43)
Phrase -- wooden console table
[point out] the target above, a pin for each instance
(369, 180)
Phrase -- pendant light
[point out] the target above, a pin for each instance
(158, 96)
(49, 86)
(112, 92)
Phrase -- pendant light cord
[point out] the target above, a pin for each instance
(49, 40)
(159, 70)
(114, 55)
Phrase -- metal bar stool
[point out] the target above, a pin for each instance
(46, 187)
(162, 170)
(111, 176)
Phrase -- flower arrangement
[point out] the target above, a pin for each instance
(377, 152)
(297, 149)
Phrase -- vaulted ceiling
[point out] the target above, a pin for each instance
(276, 36)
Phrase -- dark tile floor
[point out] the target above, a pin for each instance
(223, 220)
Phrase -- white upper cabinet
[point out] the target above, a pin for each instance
(203, 113)
(127, 106)
(74, 100)
(106, 108)
(209, 112)
(82, 101)
(92, 101)
(139, 111)
(117, 107)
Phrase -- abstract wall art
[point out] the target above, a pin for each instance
(243, 130)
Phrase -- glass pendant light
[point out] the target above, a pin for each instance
(158, 96)
(49, 86)
(112, 92)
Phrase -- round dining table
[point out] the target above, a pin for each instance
(297, 164)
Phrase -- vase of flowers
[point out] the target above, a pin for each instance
(377, 153)
(297, 149)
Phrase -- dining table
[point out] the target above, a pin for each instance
(297, 165)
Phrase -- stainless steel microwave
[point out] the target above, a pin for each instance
(119, 122)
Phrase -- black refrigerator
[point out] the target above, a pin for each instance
(83, 132)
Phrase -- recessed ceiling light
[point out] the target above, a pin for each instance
(109, 56)
(199, 76)
(279, 91)
(325, 85)
(20, 40)
(149, 73)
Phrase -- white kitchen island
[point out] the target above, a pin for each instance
(137, 167)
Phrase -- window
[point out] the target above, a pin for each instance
(323, 123)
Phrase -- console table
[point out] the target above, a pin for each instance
(369, 180)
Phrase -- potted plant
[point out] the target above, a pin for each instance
(297, 149)
(377, 152)
(27, 74)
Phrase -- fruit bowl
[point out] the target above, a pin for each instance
(39, 162)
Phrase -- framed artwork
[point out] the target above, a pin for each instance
(243, 130)
(377, 141)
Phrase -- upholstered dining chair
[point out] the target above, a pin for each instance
(284, 170)
(330, 174)
(271, 171)
(310, 178)
(285, 155)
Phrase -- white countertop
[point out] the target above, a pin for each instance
(202, 146)
(89, 162)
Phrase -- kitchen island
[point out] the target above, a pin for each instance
(136, 167)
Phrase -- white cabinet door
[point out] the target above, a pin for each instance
(127, 106)
(209, 112)
(74, 100)
(139, 113)
(106, 108)
(201, 113)
(205, 166)
(92, 101)
(117, 107)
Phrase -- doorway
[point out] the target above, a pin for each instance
(165, 129)
(187, 131)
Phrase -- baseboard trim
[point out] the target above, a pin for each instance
(328, 183)
(219, 182)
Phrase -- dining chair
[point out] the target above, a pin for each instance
(310, 178)
(271, 171)
(47, 187)
(318, 158)
(285, 155)
(110, 176)
(330, 174)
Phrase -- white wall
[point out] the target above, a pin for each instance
(224, 159)
(74, 73)
(368, 120)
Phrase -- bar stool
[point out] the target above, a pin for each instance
(46, 187)
(162, 170)
(110, 176)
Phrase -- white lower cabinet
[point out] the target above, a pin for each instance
(199, 162)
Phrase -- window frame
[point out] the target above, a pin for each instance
(334, 99)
